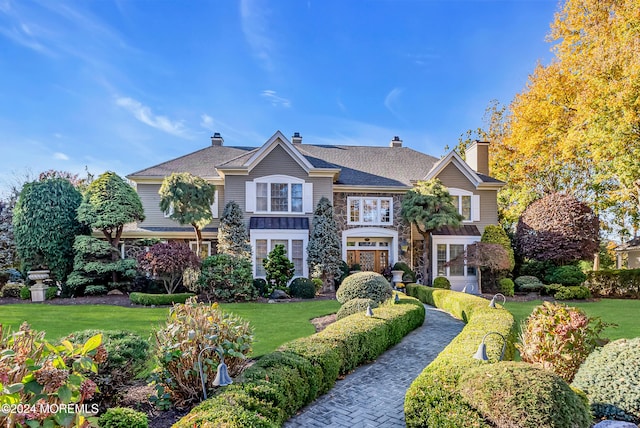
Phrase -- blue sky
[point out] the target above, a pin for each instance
(123, 85)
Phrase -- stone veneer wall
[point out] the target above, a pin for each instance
(341, 213)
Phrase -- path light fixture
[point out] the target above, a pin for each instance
(369, 312)
(397, 298)
(481, 353)
(222, 375)
(492, 303)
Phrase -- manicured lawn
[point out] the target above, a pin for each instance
(622, 312)
(273, 324)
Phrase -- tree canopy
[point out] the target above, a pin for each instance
(108, 204)
(575, 128)
(233, 238)
(45, 225)
(168, 262)
(324, 252)
(429, 206)
(188, 198)
(558, 228)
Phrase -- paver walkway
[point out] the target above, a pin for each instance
(373, 395)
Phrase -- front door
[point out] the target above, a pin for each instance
(369, 260)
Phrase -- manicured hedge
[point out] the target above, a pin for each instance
(618, 284)
(433, 398)
(280, 383)
(158, 299)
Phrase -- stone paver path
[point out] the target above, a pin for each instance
(373, 395)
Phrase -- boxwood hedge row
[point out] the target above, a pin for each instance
(433, 399)
(280, 383)
(158, 299)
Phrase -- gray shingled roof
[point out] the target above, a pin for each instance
(201, 163)
(359, 165)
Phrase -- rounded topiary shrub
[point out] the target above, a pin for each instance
(303, 288)
(354, 306)
(506, 286)
(610, 377)
(364, 285)
(123, 417)
(11, 290)
(441, 282)
(566, 275)
(515, 394)
(528, 283)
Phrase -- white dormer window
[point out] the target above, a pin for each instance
(467, 204)
(279, 194)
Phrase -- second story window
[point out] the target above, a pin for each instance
(364, 210)
(279, 194)
(467, 204)
(463, 205)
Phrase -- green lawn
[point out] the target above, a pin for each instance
(622, 312)
(273, 324)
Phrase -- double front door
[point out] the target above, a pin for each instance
(369, 260)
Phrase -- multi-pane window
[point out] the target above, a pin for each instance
(451, 261)
(442, 260)
(295, 247)
(463, 205)
(456, 255)
(279, 197)
(370, 210)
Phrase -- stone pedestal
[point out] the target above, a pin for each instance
(38, 290)
(397, 276)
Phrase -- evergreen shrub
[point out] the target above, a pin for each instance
(227, 278)
(158, 299)
(354, 306)
(12, 290)
(506, 286)
(95, 290)
(25, 293)
(260, 285)
(442, 282)
(576, 292)
(516, 394)
(123, 417)
(51, 293)
(365, 285)
(617, 284)
(610, 377)
(566, 275)
(302, 288)
(409, 275)
(528, 283)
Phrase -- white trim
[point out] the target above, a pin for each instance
(278, 139)
(454, 158)
(372, 232)
(459, 193)
(457, 282)
(280, 234)
(277, 179)
(169, 212)
(361, 211)
(194, 244)
(215, 207)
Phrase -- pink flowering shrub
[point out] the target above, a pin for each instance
(559, 338)
(45, 385)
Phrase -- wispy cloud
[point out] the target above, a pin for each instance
(422, 59)
(146, 116)
(257, 29)
(206, 121)
(275, 99)
(392, 99)
(60, 156)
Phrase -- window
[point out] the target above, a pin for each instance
(293, 248)
(456, 254)
(467, 204)
(363, 210)
(451, 261)
(279, 194)
(205, 248)
(168, 213)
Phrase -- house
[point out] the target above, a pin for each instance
(628, 254)
(278, 185)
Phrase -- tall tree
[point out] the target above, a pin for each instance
(168, 262)
(233, 238)
(8, 256)
(108, 204)
(45, 225)
(558, 228)
(324, 252)
(429, 206)
(188, 198)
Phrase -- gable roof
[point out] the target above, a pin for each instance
(362, 166)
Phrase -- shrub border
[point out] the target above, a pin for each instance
(158, 299)
(284, 381)
(432, 399)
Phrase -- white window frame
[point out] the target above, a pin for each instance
(168, 213)
(280, 235)
(252, 194)
(377, 221)
(457, 282)
(215, 206)
(475, 203)
(194, 244)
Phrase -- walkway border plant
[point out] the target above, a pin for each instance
(433, 399)
(282, 382)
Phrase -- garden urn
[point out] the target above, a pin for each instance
(38, 289)
(397, 276)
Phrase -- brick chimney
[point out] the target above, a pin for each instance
(216, 140)
(297, 138)
(395, 142)
(478, 156)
